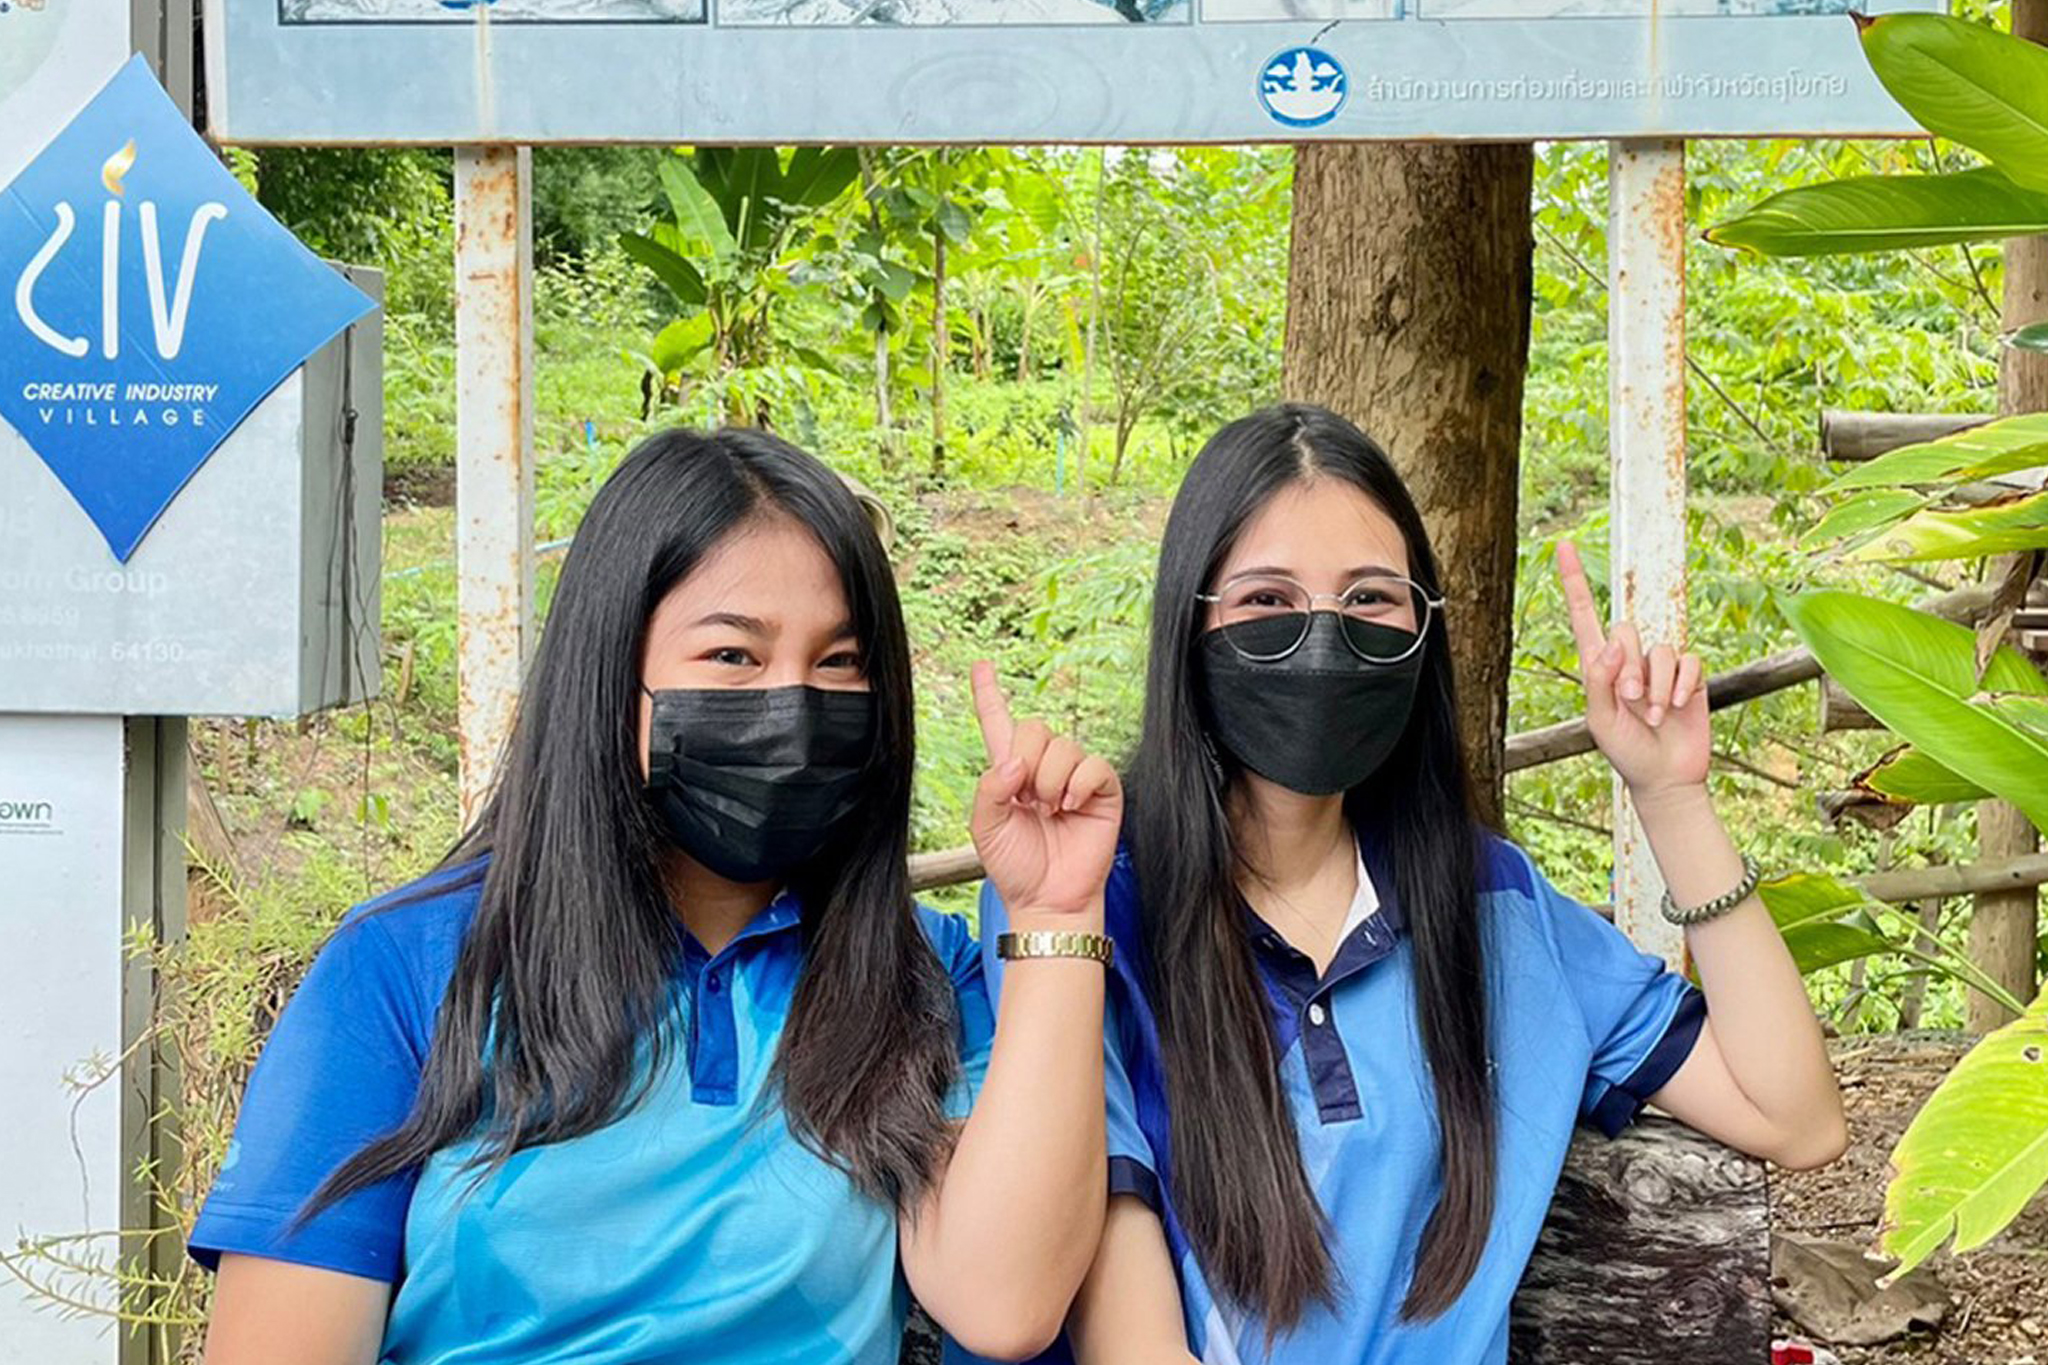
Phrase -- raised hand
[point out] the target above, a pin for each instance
(1648, 713)
(1046, 814)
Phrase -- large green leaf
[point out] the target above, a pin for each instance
(816, 176)
(1915, 672)
(1864, 511)
(1971, 533)
(1968, 83)
(680, 340)
(1823, 920)
(697, 213)
(2034, 338)
(753, 177)
(1907, 774)
(1978, 1149)
(1887, 213)
(2027, 710)
(1980, 452)
(672, 270)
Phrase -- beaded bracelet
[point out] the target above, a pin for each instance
(1719, 905)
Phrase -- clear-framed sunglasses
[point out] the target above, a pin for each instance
(1266, 616)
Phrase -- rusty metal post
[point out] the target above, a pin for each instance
(493, 450)
(1646, 439)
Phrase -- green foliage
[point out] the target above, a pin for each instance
(1978, 1150)
(1886, 213)
(387, 208)
(1968, 83)
(1918, 674)
(738, 228)
(1963, 81)
(1976, 1153)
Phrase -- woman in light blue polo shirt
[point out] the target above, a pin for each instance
(662, 1064)
(1351, 1030)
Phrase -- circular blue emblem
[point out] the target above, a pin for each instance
(1303, 87)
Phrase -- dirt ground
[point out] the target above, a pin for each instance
(1999, 1293)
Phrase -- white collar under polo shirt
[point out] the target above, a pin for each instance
(1584, 1027)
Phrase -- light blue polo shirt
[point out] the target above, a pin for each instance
(1585, 1027)
(695, 1227)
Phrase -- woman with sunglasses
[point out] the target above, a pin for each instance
(662, 1063)
(1351, 1030)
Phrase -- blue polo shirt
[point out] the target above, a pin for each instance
(1584, 1026)
(695, 1227)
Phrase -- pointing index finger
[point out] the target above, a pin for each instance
(992, 709)
(1578, 598)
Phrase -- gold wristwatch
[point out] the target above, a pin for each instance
(1056, 943)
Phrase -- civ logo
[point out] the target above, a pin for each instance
(147, 304)
(167, 315)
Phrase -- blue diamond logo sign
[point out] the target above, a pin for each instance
(150, 303)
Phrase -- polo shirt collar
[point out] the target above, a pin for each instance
(1372, 927)
(783, 913)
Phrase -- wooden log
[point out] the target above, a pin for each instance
(1856, 436)
(1656, 1251)
(947, 867)
(1840, 711)
(1956, 879)
(212, 847)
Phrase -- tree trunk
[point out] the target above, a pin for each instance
(1024, 343)
(885, 420)
(1913, 994)
(1084, 408)
(939, 351)
(1408, 311)
(2004, 927)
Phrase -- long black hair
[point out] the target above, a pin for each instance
(557, 1017)
(1236, 1175)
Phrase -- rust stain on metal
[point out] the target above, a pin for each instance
(493, 488)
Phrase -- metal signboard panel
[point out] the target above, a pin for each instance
(256, 594)
(897, 71)
(188, 513)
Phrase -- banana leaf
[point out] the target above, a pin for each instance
(1906, 774)
(1969, 533)
(1968, 83)
(680, 277)
(1887, 213)
(1823, 921)
(696, 211)
(1916, 673)
(1866, 510)
(1978, 1149)
(2003, 447)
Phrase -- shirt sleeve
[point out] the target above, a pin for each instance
(1132, 1166)
(341, 1068)
(954, 942)
(1641, 1017)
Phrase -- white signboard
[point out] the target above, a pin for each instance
(896, 71)
(51, 53)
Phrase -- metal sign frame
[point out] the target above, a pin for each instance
(546, 71)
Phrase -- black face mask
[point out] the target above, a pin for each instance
(751, 781)
(1318, 721)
